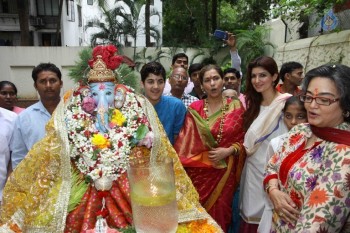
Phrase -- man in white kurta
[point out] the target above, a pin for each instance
(7, 120)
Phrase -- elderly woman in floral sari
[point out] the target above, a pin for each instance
(210, 146)
(75, 179)
(308, 178)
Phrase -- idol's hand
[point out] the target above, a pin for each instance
(217, 154)
(284, 206)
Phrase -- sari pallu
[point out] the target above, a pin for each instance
(215, 183)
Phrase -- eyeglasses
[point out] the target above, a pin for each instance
(319, 100)
(177, 77)
(5, 93)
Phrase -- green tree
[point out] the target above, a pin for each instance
(133, 23)
(295, 8)
(143, 56)
(185, 23)
(110, 31)
(125, 19)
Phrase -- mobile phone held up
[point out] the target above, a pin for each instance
(221, 35)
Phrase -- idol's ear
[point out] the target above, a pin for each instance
(84, 91)
(119, 97)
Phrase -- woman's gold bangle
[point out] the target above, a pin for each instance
(269, 186)
(235, 150)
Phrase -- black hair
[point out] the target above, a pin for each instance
(254, 98)
(293, 100)
(194, 67)
(46, 67)
(289, 67)
(207, 68)
(4, 83)
(340, 75)
(152, 68)
(176, 56)
(233, 70)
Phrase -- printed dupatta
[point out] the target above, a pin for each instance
(260, 129)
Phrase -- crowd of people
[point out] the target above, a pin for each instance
(274, 158)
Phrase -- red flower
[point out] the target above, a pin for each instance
(97, 51)
(337, 192)
(109, 56)
(341, 147)
(296, 199)
(103, 213)
(345, 161)
(112, 49)
(294, 138)
(319, 219)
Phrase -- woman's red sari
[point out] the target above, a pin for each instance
(215, 183)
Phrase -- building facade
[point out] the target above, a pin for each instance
(50, 27)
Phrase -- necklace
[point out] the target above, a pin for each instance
(223, 113)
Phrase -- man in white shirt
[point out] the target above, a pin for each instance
(179, 60)
(7, 120)
(30, 124)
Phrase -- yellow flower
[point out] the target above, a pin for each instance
(197, 226)
(100, 141)
(118, 118)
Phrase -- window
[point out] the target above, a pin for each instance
(90, 2)
(70, 10)
(47, 7)
(8, 6)
(79, 16)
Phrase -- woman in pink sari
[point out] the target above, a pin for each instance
(210, 146)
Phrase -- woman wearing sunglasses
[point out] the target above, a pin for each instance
(308, 179)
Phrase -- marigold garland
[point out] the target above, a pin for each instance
(198, 226)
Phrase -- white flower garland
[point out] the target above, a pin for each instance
(110, 161)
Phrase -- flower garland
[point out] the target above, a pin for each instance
(98, 154)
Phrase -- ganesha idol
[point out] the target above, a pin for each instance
(75, 178)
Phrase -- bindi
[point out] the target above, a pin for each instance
(101, 86)
(316, 91)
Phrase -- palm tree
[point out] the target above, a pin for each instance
(133, 22)
(110, 31)
(142, 57)
(126, 20)
(147, 22)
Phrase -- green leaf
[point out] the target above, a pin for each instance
(95, 153)
(141, 132)
(78, 189)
